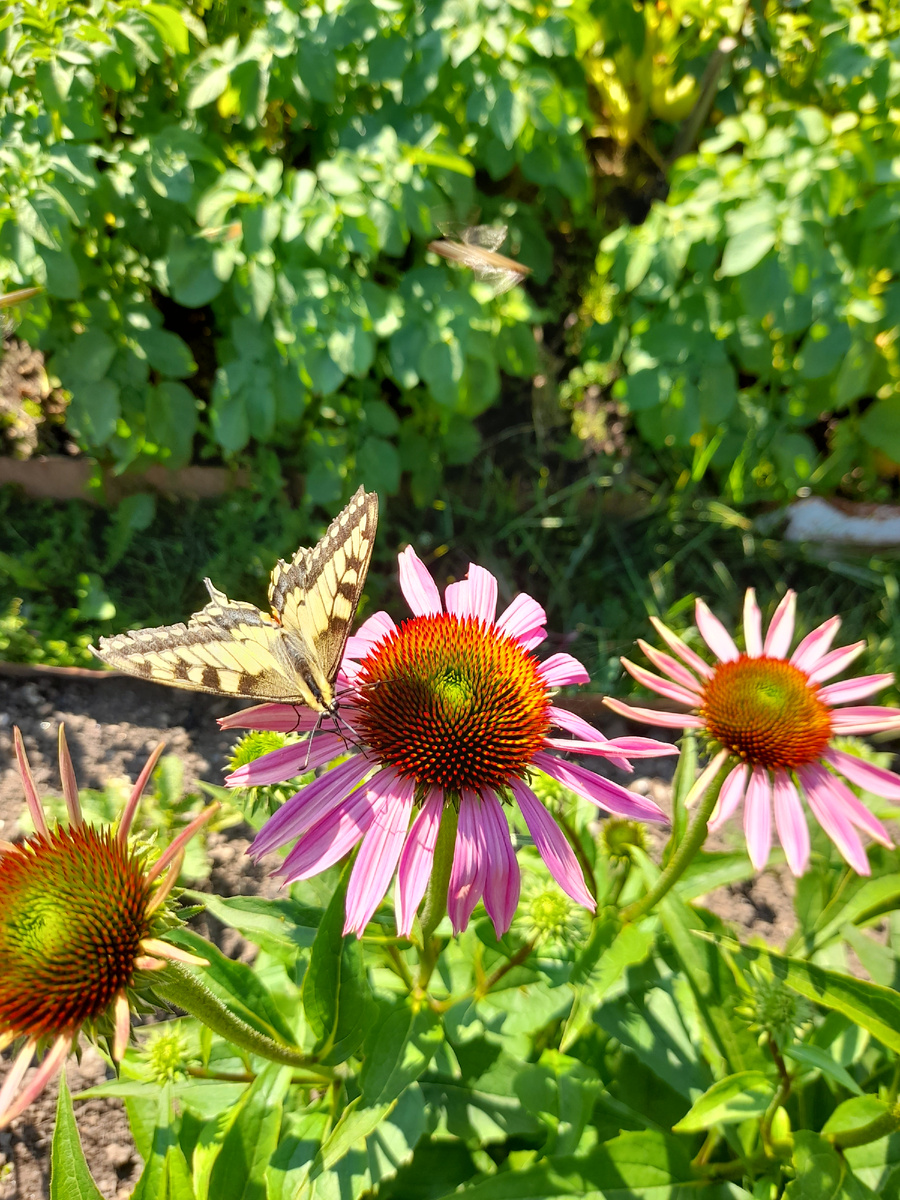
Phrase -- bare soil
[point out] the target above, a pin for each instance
(112, 724)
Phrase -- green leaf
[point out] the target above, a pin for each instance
(170, 23)
(880, 426)
(228, 417)
(745, 249)
(166, 1175)
(730, 1100)
(90, 355)
(654, 1026)
(608, 954)
(561, 1092)
(336, 995)
(63, 280)
(441, 365)
(865, 900)
(645, 1164)
(172, 420)
(816, 1057)
(94, 411)
(301, 1136)
(820, 1172)
(273, 925)
(876, 1162)
(70, 1178)
(325, 376)
(240, 1168)
(210, 86)
(855, 1114)
(399, 1047)
(352, 349)
(712, 983)
(378, 462)
(709, 871)
(167, 353)
(870, 1005)
(262, 288)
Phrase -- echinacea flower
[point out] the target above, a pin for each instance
(776, 719)
(453, 712)
(82, 920)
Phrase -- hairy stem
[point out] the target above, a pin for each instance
(178, 986)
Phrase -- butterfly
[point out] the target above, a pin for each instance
(478, 249)
(231, 648)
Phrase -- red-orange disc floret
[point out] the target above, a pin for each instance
(73, 910)
(453, 703)
(766, 712)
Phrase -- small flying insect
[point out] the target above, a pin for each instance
(8, 299)
(221, 233)
(477, 249)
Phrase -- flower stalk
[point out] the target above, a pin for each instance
(688, 848)
(179, 987)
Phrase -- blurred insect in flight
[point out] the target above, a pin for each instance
(8, 299)
(477, 249)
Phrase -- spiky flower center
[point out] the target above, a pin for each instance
(453, 703)
(766, 712)
(73, 910)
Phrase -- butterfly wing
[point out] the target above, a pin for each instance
(315, 595)
(498, 271)
(489, 237)
(228, 648)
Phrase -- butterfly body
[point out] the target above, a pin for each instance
(477, 249)
(231, 648)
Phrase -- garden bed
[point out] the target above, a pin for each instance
(112, 723)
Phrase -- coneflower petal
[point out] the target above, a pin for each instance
(552, 846)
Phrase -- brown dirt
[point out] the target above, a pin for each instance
(29, 408)
(111, 726)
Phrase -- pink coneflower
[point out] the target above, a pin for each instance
(772, 714)
(454, 713)
(82, 918)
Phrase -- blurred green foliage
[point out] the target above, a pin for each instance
(229, 205)
(753, 318)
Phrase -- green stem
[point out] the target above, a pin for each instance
(680, 860)
(888, 1122)
(178, 986)
(436, 897)
(516, 960)
(780, 1098)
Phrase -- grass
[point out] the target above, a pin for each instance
(601, 548)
